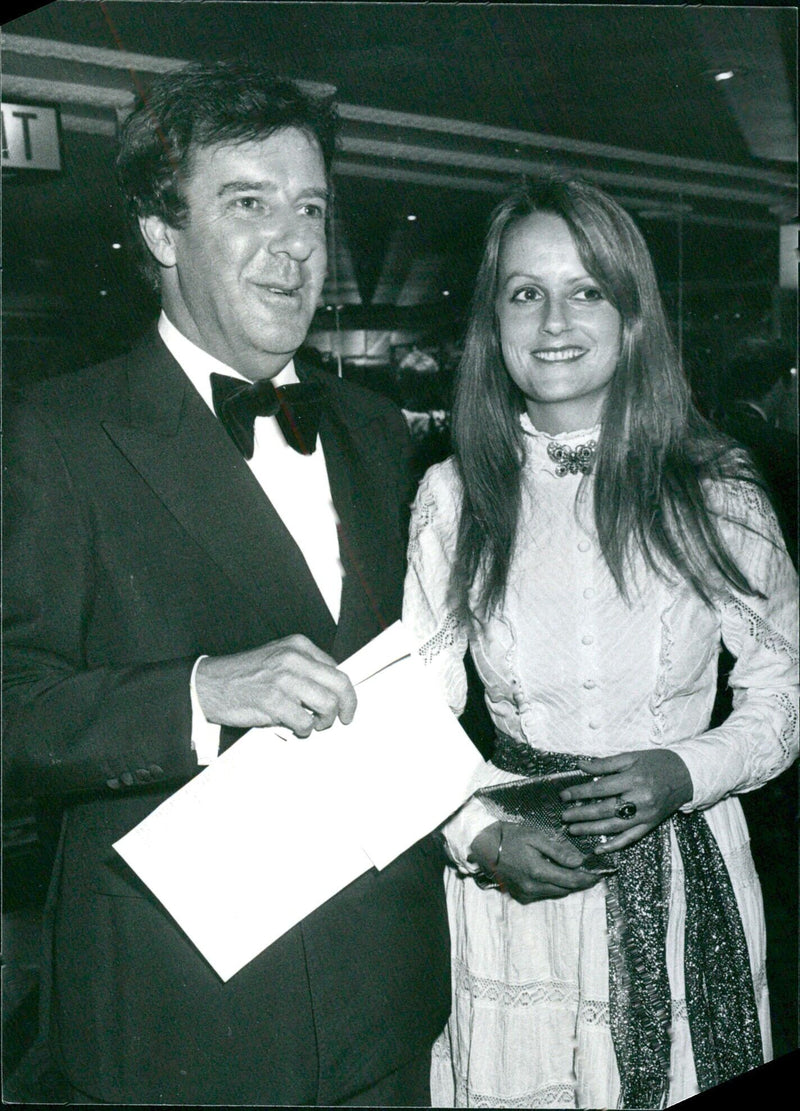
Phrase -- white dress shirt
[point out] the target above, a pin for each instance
(297, 485)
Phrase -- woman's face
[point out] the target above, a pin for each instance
(560, 337)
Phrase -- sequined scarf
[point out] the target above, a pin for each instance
(720, 999)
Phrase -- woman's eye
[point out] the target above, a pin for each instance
(316, 211)
(590, 293)
(527, 293)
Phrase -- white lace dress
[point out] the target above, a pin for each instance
(569, 667)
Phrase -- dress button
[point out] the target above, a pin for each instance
(584, 546)
(590, 684)
(589, 592)
(594, 724)
(587, 639)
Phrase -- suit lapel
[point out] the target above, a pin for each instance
(183, 454)
(355, 453)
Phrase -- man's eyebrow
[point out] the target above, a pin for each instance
(242, 187)
(229, 187)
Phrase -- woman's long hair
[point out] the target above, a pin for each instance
(655, 448)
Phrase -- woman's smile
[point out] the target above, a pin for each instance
(558, 354)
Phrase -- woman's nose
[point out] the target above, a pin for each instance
(555, 318)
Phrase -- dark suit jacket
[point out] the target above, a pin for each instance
(136, 539)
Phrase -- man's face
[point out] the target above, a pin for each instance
(243, 278)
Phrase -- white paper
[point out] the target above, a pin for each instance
(279, 824)
(410, 769)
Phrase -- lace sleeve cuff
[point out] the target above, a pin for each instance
(467, 823)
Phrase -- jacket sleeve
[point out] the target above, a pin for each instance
(71, 724)
(759, 739)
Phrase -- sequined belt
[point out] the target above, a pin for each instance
(720, 999)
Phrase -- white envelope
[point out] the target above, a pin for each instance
(278, 824)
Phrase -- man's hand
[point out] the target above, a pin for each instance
(531, 866)
(287, 682)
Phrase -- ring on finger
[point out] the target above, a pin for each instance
(625, 810)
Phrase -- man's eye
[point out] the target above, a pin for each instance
(247, 204)
(316, 211)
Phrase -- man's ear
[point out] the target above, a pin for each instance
(160, 239)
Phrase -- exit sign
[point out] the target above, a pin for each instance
(30, 137)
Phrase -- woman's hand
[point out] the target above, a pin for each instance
(531, 866)
(632, 794)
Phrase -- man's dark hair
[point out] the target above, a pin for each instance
(198, 106)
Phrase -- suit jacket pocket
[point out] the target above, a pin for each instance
(90, 864)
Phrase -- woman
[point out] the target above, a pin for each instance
(592, 542)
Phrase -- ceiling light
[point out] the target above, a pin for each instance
(724, 73)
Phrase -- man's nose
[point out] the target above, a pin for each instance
(291, 235)
(556, 317)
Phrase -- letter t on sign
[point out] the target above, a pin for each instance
(30, 137)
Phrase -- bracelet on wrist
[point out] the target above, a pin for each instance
(488, 879)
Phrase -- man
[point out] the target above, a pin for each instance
(172, 581)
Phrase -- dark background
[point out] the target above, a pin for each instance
(442, 105)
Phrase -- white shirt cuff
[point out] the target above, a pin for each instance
(205, 734)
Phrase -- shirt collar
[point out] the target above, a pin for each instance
(198, 365)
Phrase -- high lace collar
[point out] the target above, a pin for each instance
(538, 442)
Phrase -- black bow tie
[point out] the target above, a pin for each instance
(297, 407)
